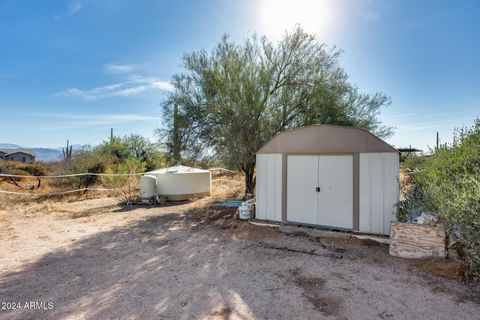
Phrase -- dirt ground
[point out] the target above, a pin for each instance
(97, 260)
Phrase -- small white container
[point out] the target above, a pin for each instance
(245, 210)
(148, 189)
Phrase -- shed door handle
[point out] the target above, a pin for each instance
(317, 189)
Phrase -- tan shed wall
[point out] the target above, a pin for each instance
(375, 173)
(374, 196)
(269, 188)
(378, 191)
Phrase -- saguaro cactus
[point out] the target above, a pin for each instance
(67, 152)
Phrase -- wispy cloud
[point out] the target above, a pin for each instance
(98, 120)
(72, 8)
(119, 68)
(432, 123)
(134, 85)
(370, 10)
(369, 15)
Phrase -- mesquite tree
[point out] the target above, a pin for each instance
(229, 102)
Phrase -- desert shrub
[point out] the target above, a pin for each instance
(459, 209)
(117, 148)
(155, 160)
(4, 166)
(128, 183)
(12, 167)
(22, 169)
(15, 180)
(35, 168)
(412, 205)
(448, 184)
(86, 161)
(414, 162)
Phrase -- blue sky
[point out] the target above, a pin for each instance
(74, 69)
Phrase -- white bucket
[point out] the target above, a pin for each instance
(244, 212)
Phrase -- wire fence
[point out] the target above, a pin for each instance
(71, 175)
(96, 174)
(54, 193)
(13, 178)
(222, 170)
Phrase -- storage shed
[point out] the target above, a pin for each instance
(332, 176)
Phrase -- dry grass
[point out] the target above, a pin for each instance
(441, 267)
(231, 188)
(405, 183)
(3, 201)
(58, 205)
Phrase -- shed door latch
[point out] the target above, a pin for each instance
(317, 189)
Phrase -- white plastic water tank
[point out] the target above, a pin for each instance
(148, 188)
(180, 182)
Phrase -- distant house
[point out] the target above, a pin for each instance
(18, 155)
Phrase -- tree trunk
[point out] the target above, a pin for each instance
(12, 179)
(176, 136)
(249, 170)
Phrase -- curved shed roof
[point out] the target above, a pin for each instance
(322, 138)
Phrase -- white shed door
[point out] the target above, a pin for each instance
(302, 179)
(331, 204)
(335, 199)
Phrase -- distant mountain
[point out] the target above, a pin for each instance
(48, 154)
(9, 146)
(42, 154)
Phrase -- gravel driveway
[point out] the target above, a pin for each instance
(96, 260)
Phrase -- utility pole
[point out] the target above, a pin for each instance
(438, 141)
(111, 134)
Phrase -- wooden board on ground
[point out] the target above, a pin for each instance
(414, 241)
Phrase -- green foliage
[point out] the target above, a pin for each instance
(449, 184)
(86, 161)
(413, 203)
(116, 148)
(230, 102)
(413, 162)
(133, 146)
